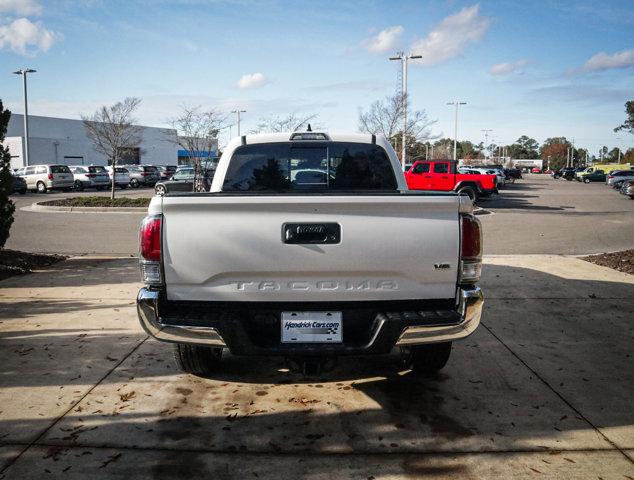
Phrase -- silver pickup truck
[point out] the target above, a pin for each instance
(310, 246)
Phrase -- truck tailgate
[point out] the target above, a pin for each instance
(231, 248)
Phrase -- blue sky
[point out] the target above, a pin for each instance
(536, 68)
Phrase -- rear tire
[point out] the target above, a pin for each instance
(470, 192)
(587, 180)
(134, 183)
(426, 359)
(79, 186)
(41, 187)
(197, 360)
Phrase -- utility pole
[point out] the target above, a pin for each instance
(455, 131)
(238, 112)
(572, 153)
(24, 72)
(486, 137)
(427, 151)
(404, 58)
(619, 149)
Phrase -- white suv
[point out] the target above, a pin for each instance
(46, 177)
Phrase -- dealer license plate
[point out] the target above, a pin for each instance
(311, 327)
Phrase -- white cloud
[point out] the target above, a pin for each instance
(252, 80)
(604, 61)
(21, 7)
(507, 68)
(25, 37)
(385, 40)
(451, 36)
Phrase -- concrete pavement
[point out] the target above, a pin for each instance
(537, 215)
(543, 388)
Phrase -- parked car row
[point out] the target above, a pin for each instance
(42, 178)
(622, 181)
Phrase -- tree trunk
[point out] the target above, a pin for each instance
(114, 176)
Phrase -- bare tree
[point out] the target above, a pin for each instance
(385, 117)
(291, 123)
(197, 134)
(111, 130)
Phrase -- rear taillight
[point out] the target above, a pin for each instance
(470, 249)
(144, 174)
(50, 176)
(90, 175)
(150, 250)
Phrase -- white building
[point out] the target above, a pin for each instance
(64, 141)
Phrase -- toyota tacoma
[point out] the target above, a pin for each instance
(310, 246)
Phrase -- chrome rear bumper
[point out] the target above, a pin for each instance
(147, 308)
(470, 303)
(468, 312)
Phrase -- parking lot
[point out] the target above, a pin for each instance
(535, 215)
(542, 389)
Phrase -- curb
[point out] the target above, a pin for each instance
(38, 207)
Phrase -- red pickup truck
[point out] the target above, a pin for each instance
(441, 175)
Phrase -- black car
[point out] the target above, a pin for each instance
(19, 184)
(567, 172)
(181, 181)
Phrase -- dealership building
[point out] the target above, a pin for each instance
(64, 141)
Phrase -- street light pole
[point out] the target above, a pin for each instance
(238, 112)
(455, 130)
(24, 72)
(486, 137)
(404, 58)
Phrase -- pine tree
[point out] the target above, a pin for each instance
(6, 181)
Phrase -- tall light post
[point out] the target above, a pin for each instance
(455, 128)
(618, 147)
(238, 112)
(24, 72)
(404, 58)
(486, 137)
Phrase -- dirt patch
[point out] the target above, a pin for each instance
(621, 261)
(98, 202)
(13, 262)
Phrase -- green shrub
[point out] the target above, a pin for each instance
(6, 181)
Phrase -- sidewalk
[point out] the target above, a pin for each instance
(543, 387)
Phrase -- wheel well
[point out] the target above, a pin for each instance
(473, 185)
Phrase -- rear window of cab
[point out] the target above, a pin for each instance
(309, 166)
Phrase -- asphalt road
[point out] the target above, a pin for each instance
(537, 215)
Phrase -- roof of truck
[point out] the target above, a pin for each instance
(286, 136)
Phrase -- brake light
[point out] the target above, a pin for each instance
(90, 175)
(150, 238)
(144, 174)
(150, 250)
(50, 176)
(470, 249)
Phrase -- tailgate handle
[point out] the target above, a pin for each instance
(311, 233)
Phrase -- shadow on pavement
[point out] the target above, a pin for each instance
(486, 400)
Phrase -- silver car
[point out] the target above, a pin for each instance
(619, 176)
(90, 176)
(143, 175)
(122, 176)
(47, 177)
